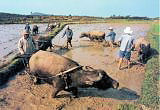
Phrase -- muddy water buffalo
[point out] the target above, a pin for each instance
(48, 66)
(93, 35)
(142, 45)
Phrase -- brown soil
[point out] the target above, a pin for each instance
(21, 94)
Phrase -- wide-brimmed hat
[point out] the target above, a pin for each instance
(128, 30)
(110, 28)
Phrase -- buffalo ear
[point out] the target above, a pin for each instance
(88, 68)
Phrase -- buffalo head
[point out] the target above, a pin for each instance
(98, 79)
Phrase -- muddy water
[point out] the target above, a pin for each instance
(95, 55)
(20, 94)
(9, 36)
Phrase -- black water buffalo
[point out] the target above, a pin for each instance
(44, 44)
(48, 66)
(142, 45)
(35, 29)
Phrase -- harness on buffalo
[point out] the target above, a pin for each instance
(63, 74)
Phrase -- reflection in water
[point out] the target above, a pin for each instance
(121, 94)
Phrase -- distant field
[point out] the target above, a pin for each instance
(6, 18)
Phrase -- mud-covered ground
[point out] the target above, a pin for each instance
(20, 94)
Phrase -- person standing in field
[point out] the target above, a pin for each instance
(26, 46)
(69, 33)
(126, 45)
(112, 35)
(27, 28)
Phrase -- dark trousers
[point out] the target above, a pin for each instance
(69, 41)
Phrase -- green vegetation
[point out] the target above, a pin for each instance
(10, 70)
(150, 96)
(127, 107)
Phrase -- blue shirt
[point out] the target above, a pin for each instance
(126, 42)
(112, 36)
(68, 33)
(27, 28)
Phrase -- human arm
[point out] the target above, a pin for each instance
(109, 34)
(64, 34)
(20, 47)
(71, 33)
(133, 44)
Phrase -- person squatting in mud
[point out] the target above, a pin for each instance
(69, 33)
(112, 35)
(126, 46)
(26, 46)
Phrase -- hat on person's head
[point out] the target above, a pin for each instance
(128, 30)
(25, 33)
(110, 28)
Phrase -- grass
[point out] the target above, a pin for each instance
(127, 107)
(150, 96)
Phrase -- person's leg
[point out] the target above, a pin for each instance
(128, 56)
(67, 44)
(70, 44)
(128, 63)
(110, 44)
(120, 63)
(121, 56)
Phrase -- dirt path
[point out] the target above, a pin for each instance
(20, 94)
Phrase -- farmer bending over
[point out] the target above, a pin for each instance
(112, 35)
(69, 33)
(126, 46)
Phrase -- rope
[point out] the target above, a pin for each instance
(61, 73)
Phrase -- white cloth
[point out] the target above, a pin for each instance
(26, 46)
(126, 42)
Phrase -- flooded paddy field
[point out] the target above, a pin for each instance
(20, 94)
(9, 36)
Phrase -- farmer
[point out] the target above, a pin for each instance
(26, 46)
(69, 33)
(126, 45)
(28, 28)
(112, 35)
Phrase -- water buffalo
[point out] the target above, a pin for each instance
(94, 35)
(142, 45)
(35, 29)
(44, 44)
(48, 66)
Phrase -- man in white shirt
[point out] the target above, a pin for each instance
(126, 46)
(26, 46)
